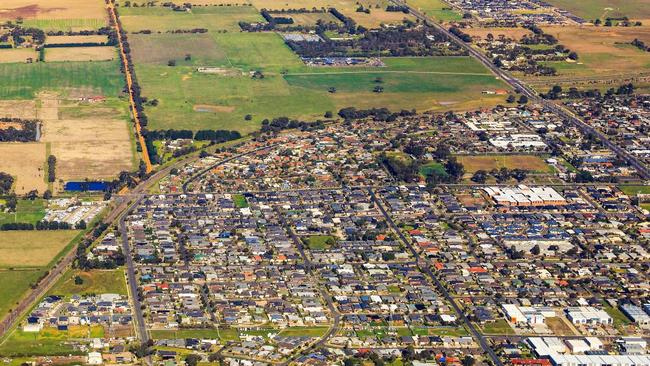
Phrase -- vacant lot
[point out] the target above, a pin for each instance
(17, 55)
(89, 148)
(26, 162)
(214, 18)
(24, 81)
(103, 53)
(593, 9)
(602, 50)
(32, 248)
(93, 282)
(489, 162)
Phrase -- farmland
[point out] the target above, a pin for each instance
(602, 50)
(167, 67)
(24, 81)
(593, 9)
(32, 248)
(105, 53)
(26, 162)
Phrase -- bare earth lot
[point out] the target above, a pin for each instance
(26, 162)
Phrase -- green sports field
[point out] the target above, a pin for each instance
(24, 81)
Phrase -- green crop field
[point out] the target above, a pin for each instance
(24, 81)
(214, 18)
(65, 25)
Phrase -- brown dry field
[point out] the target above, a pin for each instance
(98, 38)
(104, 53)
(26, 162)
(377, 16)
(17, 55)
(489, 162)
(93, 148)
(18, 109)
(32, 248)
(52, 9)
(213, 2)
(514, 33)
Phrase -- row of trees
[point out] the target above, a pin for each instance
(378, 114)
(502, 175)
(217, 136)
(51, 168)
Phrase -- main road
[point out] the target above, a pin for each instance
(524, 89)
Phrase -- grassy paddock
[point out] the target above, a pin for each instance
(32, 248)
(94, 282)
(23, 81)
(14, 284)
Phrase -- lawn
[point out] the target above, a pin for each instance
(24, 81)
(240, 201)
(488, 162)
(32, 248)
(223, 334)
(27, 211)
(431, 167)
(94, 282)
(319, 242)
(634, 190)
(14, 284)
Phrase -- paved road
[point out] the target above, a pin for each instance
(140, 325)
(424, 265)
(333, 330)
(530, 93)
